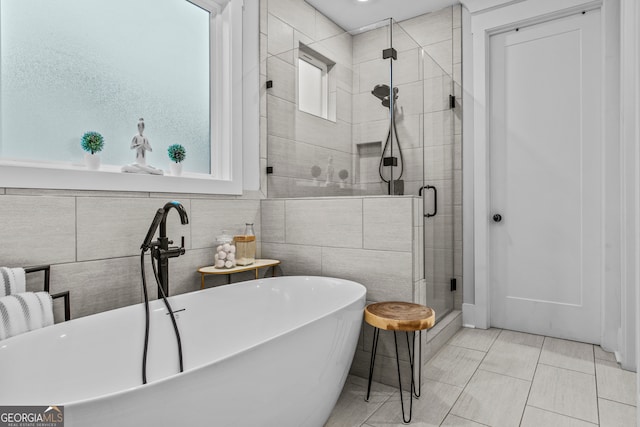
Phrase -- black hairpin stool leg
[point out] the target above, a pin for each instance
(412, 358)
(411, 391)
(374, 349)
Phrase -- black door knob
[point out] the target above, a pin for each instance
(497, 218)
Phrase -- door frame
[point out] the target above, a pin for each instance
(488, 18)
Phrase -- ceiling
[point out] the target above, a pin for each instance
(354, 14)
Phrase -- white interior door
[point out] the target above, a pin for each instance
(546, 178)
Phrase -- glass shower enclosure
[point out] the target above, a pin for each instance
(367, 112)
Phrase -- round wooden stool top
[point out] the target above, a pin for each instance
(399, 316)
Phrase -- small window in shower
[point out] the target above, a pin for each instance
(316, 88)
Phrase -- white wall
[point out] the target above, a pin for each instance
(630, 147)
(481, 17)
(251, 96)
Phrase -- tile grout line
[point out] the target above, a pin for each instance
(471, 377)
(563, 415)
(467, 419)
(378, 408)
(615, 401)
(75, 205)
(595, 379)
(504, 375)
(568, 369)
(526, 402)
(362, 223)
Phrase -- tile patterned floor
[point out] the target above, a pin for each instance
(503, 378)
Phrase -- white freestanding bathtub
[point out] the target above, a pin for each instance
(271, 352)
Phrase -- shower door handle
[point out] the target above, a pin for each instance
(435, 199)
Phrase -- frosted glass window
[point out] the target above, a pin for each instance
(310, 89)
(71, 66)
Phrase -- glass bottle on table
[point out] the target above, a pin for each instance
(246, 245)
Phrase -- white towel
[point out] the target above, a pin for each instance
(12, 281)
(25, 312)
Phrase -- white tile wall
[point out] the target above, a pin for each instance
(370, 131)
(343, 105)
(115, 227)
(410, 98)
(92, 240)
(386, 274)
(298, 14)
(280, 39)
(281, 117)
(324, 133)
(296, 259)
(436, 94)
(283, 76)
(457, 16)
(337, 48)
(37, 230)
(430, 28)
(418, 253)
(437, 128)
(385, 224)
(295, 159)
(264, 10)
(369, 45)
(376, 71)
(209, 217)
(367, 109)
(101, 285)
(325, 27)
(325, 222)
(343, 74)
(413, 170)
(348, 238)
(442, 53)
(273, 223)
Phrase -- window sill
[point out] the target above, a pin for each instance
(14, 174)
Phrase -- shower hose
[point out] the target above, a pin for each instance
(388, 145)
(146, 307)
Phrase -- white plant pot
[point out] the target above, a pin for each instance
(92, 161)
(176, 168)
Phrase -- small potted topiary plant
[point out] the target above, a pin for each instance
(92, 143)
(177, 154)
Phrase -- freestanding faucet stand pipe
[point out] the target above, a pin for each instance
(161, 250)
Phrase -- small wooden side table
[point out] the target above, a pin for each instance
(400, 316)
(257, 265)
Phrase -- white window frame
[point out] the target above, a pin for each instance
(225, 130)
(324, 90)
(318, 60)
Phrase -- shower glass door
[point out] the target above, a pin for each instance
(438, 201)
(425, 145)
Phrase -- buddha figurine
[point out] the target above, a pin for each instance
(141, 144)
